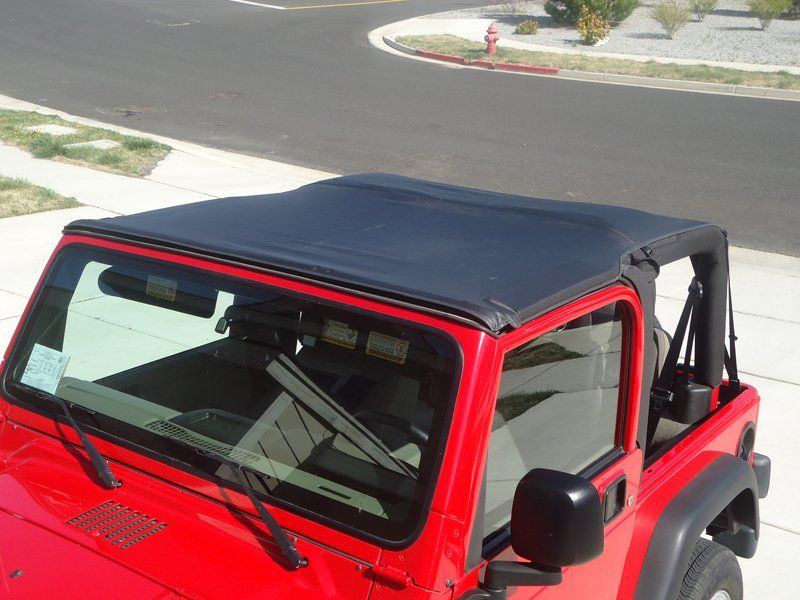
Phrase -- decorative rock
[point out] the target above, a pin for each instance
(52, 129)
(99, 144)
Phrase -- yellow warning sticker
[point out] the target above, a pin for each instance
(387, 347)
(336, 332)
(161, 288)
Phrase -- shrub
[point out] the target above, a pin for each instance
(527, 27)
(591, 27)
(671, 15)
(610, 10)
(701, 8)
(767, 10)
(794, 10)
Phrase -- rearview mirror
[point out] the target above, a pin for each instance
(556, 521)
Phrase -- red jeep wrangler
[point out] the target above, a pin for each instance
(375, 387)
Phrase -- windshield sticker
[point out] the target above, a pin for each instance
(336, 332)
(45, 369)
(161, 288)
(387, 347)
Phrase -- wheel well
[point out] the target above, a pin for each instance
(735, 526)
(722, 499)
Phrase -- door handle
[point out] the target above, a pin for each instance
(614, 499)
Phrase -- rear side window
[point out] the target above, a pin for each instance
(557, 406)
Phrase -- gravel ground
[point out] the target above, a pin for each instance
(729, 33)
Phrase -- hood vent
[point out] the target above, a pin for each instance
(119, 524)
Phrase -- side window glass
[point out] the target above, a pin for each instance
(556, 408)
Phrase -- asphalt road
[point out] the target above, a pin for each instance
(305, 87)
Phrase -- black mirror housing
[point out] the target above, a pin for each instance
(556, 519)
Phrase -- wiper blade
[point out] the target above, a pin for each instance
(283, 541)
(99, 463)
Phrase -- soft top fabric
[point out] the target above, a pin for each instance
(495, 259)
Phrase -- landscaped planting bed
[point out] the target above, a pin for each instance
(729, 33)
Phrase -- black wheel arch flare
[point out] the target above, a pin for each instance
(726, 483)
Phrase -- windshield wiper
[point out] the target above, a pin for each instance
(99, 463)
(283, 541)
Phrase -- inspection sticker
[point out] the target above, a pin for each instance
(387, 347)
(336, 332)
(45, 369)
(161, 288)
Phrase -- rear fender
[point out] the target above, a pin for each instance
(722, 498)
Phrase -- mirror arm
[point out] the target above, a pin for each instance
(503, 573)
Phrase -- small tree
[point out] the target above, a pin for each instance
(672, 16)
(591, 27)
(767, 10)
(701, 8)
(570, 10)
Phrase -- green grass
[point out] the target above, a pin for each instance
(18, 197)
(549, 352)
(514, 405)
(449, 44)
(135, 156)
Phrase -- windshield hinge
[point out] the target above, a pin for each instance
(392, 575)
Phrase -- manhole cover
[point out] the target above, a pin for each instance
(220, 95)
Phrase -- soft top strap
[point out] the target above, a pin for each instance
(661, 393)
(730, 357)
(663, 387)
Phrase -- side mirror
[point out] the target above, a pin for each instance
(556, 521)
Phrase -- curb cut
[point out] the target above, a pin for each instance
(614, 78)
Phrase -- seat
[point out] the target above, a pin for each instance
(666, 429)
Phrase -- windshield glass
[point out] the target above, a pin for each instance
(333, 411)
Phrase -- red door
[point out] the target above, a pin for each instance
(567, 399)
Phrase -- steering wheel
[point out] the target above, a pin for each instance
(413, 433)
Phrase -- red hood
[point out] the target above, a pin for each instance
(39, 563)
(204, 550)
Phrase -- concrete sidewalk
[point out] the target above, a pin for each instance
(190, 172)
(766, 293)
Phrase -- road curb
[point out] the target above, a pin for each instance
(458, 60)
(590, 76)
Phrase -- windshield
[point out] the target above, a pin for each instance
(333, 411)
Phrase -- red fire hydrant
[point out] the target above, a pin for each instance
(491, 39)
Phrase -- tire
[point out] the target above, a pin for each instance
(713, 574)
